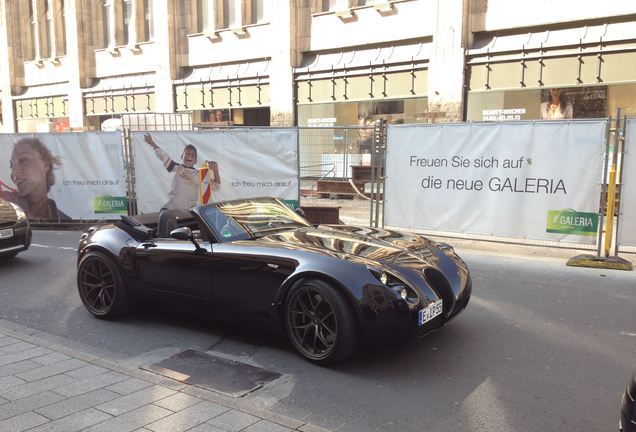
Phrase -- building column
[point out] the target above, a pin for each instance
(79, 65)
(165, 69)
(284, 57)
(446, 67)
(6, 70)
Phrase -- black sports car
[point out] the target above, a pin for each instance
(628, 407)
(15, 230)
(328, 287)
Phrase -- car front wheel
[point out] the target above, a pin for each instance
(320, 322)
(100, 286)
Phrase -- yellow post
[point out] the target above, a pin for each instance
(609, 215)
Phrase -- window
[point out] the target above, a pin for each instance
(149, 31)
(103, 14)
(206, 16)
(329, 5)
(127, 15)
(231, 13)
(260, 11)
(32, 51)
(49, 33)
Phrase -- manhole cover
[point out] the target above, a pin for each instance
(214, 373)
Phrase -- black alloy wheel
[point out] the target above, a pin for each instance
(100, 286)
(320, 323)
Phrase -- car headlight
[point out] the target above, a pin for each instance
(398, 286)
(19, 212)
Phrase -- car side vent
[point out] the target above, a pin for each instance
(441, 286)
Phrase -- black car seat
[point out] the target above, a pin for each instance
(167, 223)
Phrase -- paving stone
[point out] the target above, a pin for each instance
(90, 384)
(52, 369)
(129, 386)
(206, 427)
(10, 381)
(87, 372)
(6, 340)
(22, 422)
(16, 347)
(77, 404)
(267, 426)
(75, 422)
(30, 403)
(3, 400)
(6, 359)
(178, 402)
(132, 420)
(188, 418)
(233, 421)
(51, 358)
(18, 367)
(29, 389)
(135, 400)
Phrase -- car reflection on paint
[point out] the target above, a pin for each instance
(15, 230)
(328, 288)
(628, 407)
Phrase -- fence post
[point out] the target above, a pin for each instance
(607, 261)
(378, 153)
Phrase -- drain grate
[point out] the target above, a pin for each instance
(225, 376)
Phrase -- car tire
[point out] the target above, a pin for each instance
(101, 287)
(320, 323)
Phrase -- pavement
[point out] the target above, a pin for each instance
(47, 386)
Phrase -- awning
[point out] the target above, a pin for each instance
(120, 94)
(364, 61)
(588, 55)
(222, 75)
(122, 84)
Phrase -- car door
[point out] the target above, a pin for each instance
(173, 266)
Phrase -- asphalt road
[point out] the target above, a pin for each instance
(541, 347)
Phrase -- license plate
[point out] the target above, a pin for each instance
(6, 233)
(429, 312)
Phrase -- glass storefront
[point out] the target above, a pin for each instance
(580, 102)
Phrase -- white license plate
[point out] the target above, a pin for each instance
(6, 233)
(429, 312)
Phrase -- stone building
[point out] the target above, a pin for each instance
(76, 64)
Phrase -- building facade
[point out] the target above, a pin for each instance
(74, 65)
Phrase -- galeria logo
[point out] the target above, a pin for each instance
(110, 204)
(568, 221)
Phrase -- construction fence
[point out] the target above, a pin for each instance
(546, 183)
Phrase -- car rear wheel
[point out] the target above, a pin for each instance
(100, 286)
(320, 322)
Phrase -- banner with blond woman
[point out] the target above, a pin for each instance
(59, 177)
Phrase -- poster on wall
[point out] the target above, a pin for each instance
(177, 170)
(59, 177)
(627, 226)
(538, 180)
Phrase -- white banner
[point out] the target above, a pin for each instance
(538, 180)
(62, 176)
(244, 163)
(627, 225)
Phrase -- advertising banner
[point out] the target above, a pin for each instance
(538, 180)
(58, 177)
(627, 226)
(177, 170)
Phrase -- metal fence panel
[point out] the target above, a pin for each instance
(336, 174)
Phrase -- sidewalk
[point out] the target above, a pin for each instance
(47, 387)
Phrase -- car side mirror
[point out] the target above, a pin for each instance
(185, 233)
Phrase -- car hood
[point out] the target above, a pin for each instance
(375, 244)
(7, 212)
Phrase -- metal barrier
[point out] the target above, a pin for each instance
(340, 178)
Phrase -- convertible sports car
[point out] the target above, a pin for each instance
(329, 288)
(15, 230)
(627, 421)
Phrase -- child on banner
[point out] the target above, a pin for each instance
(184, 189)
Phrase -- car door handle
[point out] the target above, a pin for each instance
(147, 246)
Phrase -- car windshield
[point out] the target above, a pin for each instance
(244, 219)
